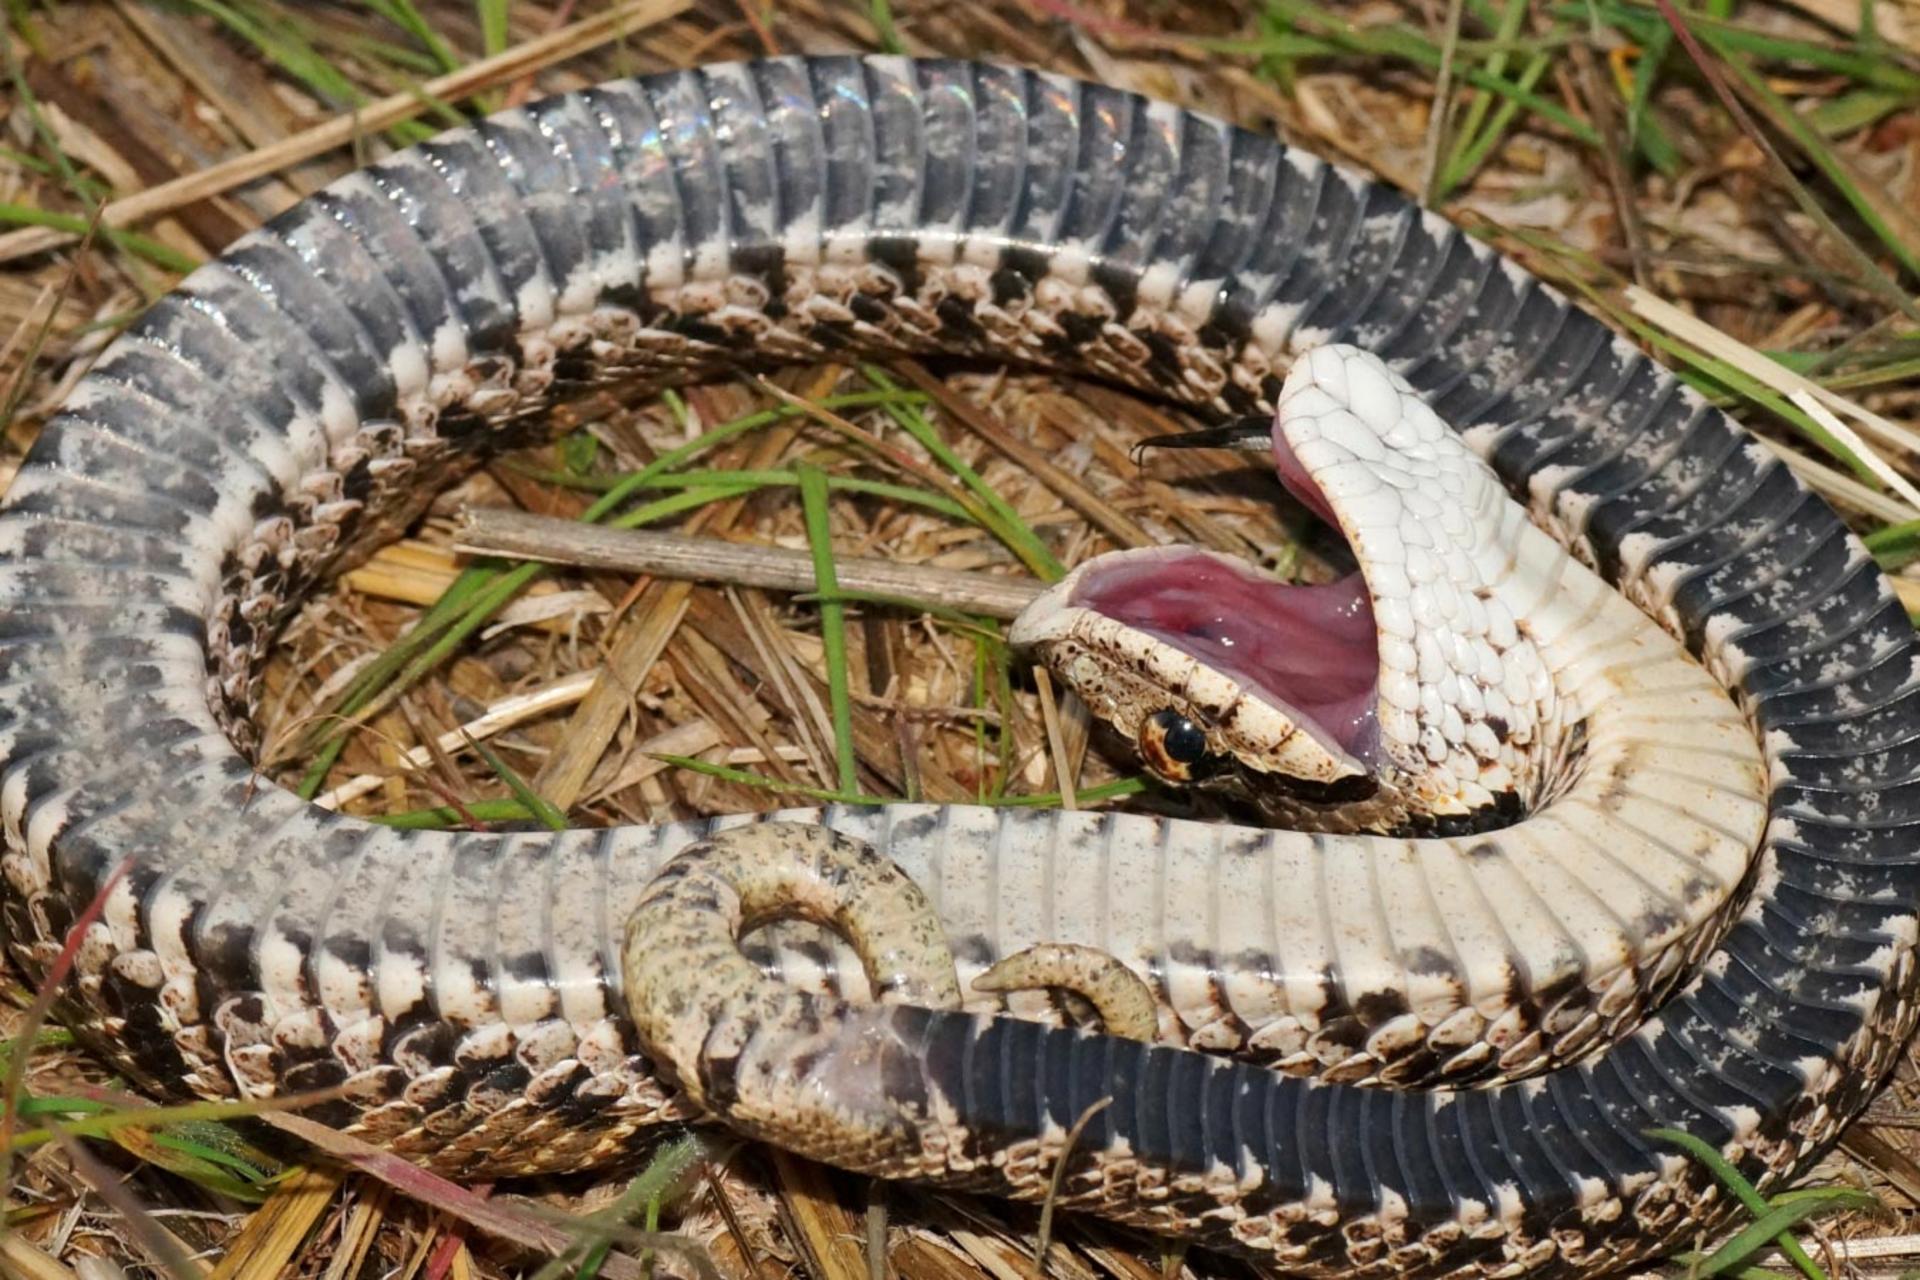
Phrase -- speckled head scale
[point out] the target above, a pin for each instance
(1725, 949)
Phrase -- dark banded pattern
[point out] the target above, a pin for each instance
(299, 400)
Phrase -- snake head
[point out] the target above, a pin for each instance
(1179, 650)
(1406, 686)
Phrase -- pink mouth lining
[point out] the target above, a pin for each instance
(1310, 649)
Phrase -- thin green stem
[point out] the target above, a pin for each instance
(833, 622)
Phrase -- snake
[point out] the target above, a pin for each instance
(1608, 829)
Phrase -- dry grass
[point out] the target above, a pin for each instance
(1773, 195)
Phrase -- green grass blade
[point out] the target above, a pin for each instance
(1393, 40)
(959, 619)
(502, 590)
(1470, 154)
(494, 33)
(761, 782)
(399, 59)
(448, 114)
(1736, 1183)
(160, 255)
(674, 504)
(88, 192)
(1118, 789)
(284, 37)
(1277, 64)
(534, 803)
(1718, 1165)
(650, 1188)
(59, 1107)
(885, 29)
(283, 44)
(402, 14)
(44, 1038)
(759, 479)
(1643, 130)
(677, 407)
(219, 1144)
(1869, 1203)
(444, 613)
(1896, 545)
(20, 19)
(1646, 75)
(469, 604)
(833, 622)
(207, 1153)
(900, 493)
(1689, 1260)
(1814, 147)
(1006, 523)
(1857, 110)
(672, 458)
(83, 188)
(1774, 1225)
(1468, 133)
(1000, 673)
(1639, 23)
(483, 590)
(44, 168)
(443, 817)
(577, 450)
(1715, 67)
(979, 699)
(111, 1120)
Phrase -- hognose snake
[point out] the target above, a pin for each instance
(297, 401)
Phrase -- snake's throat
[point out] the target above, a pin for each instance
(1311, 650)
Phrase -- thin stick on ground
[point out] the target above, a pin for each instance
(522, 1223)
(501, 716)
(1056, 739)
(152, 1239)
(498, 531)
(1043, 1235)
(1778, 377)
(639, 643)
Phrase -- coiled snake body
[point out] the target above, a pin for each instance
(300, 399)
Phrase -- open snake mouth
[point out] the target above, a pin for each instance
(1411, 685)
(1310, 650)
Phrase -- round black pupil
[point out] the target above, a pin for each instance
(1184, 741)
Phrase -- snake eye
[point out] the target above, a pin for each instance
(1172, 745)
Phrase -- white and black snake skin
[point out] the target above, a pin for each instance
(296, 401)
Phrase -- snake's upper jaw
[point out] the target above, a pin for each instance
(1280, 679)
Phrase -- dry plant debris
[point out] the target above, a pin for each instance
(1736, 183)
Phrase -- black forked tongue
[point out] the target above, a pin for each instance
(1246, 435)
